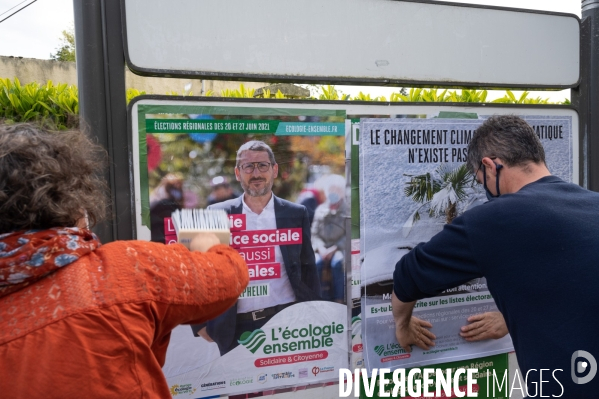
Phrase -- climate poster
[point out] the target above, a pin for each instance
(410, 171)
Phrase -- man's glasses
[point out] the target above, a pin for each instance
(250, 166)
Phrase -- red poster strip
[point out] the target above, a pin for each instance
(237, 222)
(357, 348)
(396, 357)
(169, 229)
(264, 271)
(260, 238)
(257, 254)
(288, 359)
(170, 239)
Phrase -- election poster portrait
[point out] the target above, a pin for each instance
(289, 326)
(413, 181)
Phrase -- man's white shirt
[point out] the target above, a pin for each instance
(279, 288)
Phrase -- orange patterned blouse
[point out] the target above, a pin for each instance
(97, 325)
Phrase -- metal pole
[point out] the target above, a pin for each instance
(102, 103)
(586, 96)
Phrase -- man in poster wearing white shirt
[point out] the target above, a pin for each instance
(296, 279)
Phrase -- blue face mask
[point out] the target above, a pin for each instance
(175, 194)
(333, 198)
(487, 192)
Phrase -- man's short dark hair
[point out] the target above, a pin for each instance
(256, 145)
(507, 137)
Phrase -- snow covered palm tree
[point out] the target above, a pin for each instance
(440, 192)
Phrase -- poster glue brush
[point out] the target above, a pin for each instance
(189, 222)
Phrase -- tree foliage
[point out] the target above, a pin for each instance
(66, 52)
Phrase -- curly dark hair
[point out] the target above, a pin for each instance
(49, 178)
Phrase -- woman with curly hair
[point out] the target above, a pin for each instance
(81, 319)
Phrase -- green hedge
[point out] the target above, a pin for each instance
(56, 103)
(59, 104)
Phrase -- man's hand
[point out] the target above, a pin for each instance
(410, 330)
(203, 242)
(415, 333)
(204, 334)
(490, 325)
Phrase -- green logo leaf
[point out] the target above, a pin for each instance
(252, 340)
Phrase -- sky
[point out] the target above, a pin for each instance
(35, 32)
